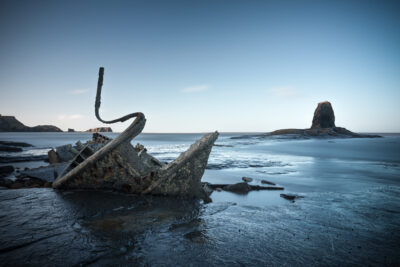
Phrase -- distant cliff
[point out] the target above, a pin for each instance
(100, 130)
(11, 124)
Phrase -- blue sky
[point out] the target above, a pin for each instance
(198, 66)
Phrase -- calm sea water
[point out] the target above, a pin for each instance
(350, 213)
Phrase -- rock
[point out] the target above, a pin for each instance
(11, 124)
(12, 159)
(53, 157)
(218, 189)
(44, 128)
(100, 130)
(247, 179)
(267, 182)
(16, 185)
(290, 197)
(19, 144)
(6, 170)
(79, 145)
(323, 116)
(10, 149)
(65, 153)
(241, 188)
(70, 130)
(46, 174)
(323, 125)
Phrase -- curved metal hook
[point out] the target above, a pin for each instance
(98, 103)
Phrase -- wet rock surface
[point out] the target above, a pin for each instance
(71, 228)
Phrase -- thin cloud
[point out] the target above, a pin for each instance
(79, 91)
(196, 88)
(70, 117)
(284, 92)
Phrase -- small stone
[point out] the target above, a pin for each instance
(247, 179)
(267, 182)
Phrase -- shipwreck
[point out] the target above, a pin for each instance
(115, 164)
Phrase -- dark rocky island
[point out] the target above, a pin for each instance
(323, 125)
(11, 124)
(100, 130)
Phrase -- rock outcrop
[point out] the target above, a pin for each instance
(100, 130)
(323, 125)
(11, 124)
(323, 116)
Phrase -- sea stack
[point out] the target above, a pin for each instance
(324, 116)
(323, 125)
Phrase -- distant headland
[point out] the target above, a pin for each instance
(323, 125)
(11, 124)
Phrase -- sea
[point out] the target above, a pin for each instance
(347, 212)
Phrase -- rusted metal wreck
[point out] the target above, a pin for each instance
(115, 164)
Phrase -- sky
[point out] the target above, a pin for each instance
(200, 66)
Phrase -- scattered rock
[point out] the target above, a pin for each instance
(6, 170)
(70, 130)
(53, 157)
(10, 149)
(267, 182)
(247, 179)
